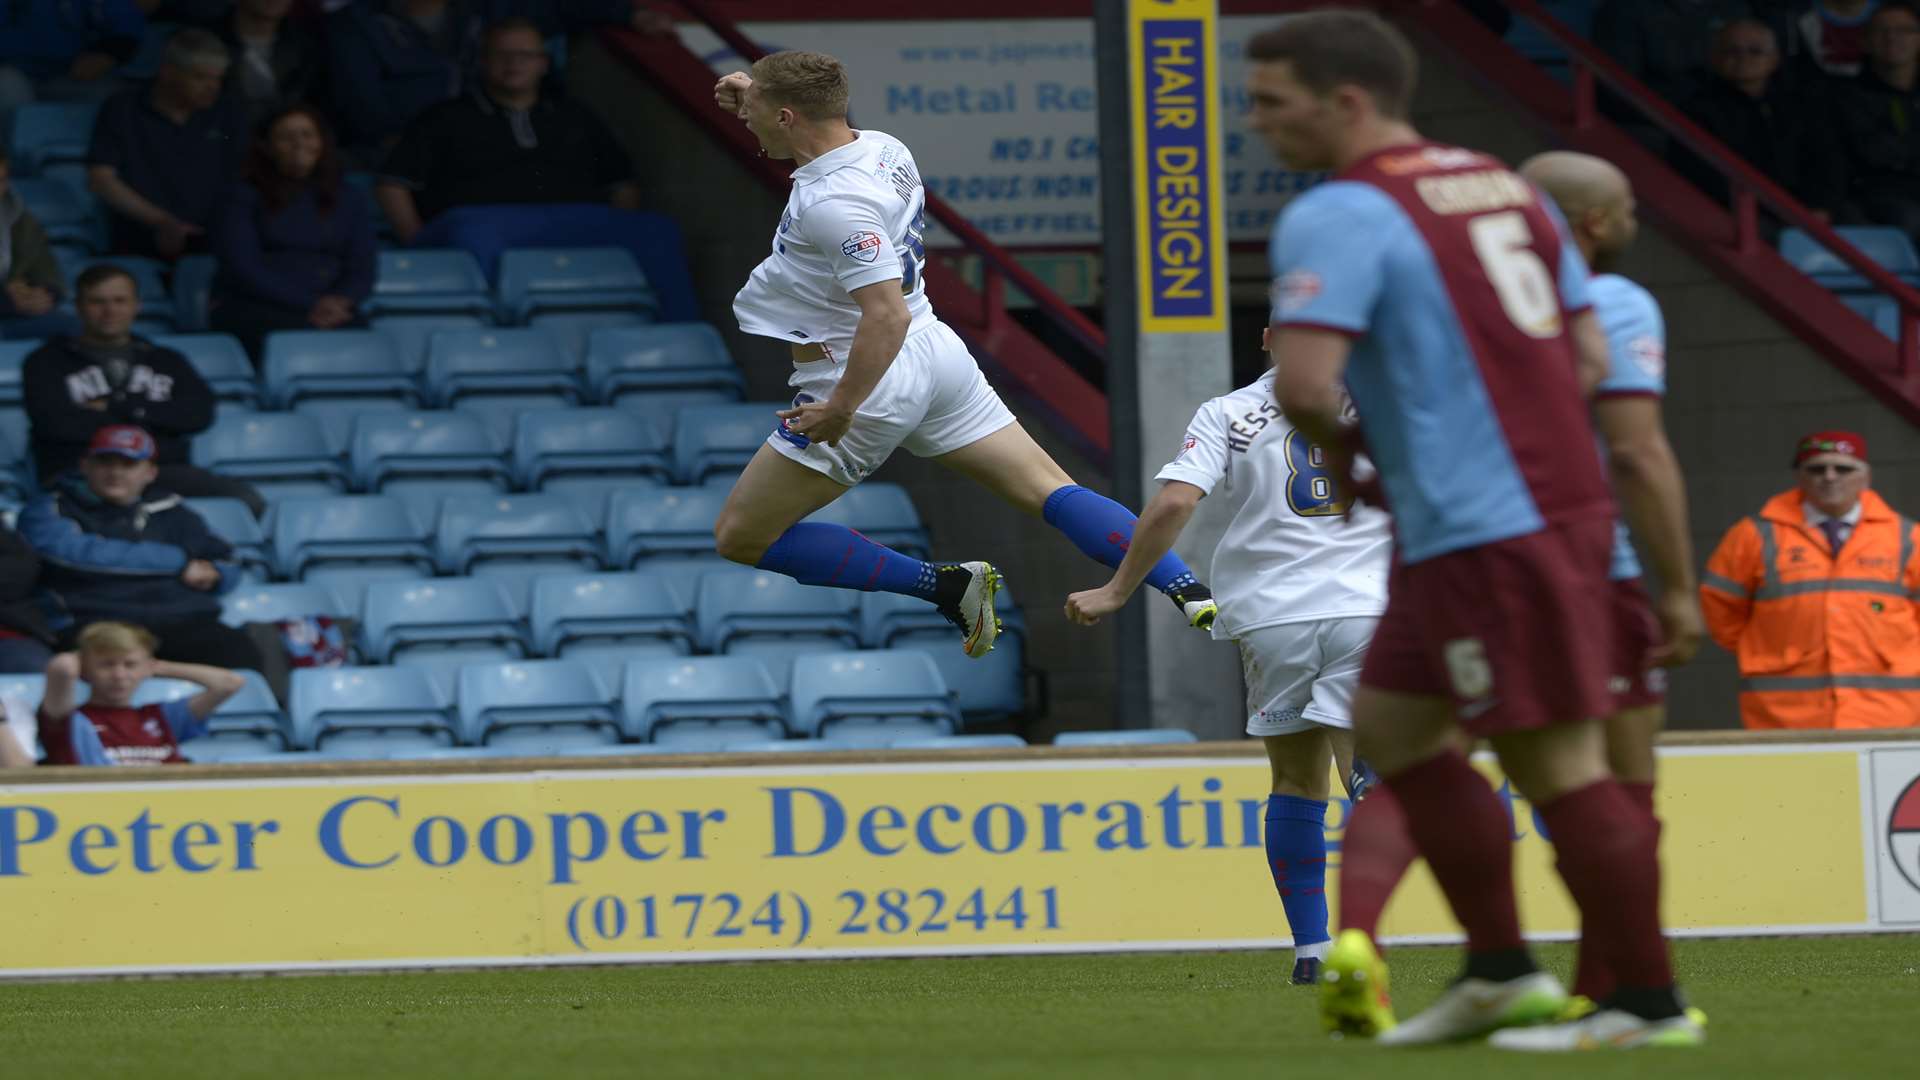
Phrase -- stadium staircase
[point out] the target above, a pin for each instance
(1727, 238)
(1018, 361)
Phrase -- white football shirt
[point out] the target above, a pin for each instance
(854, 219)
(1290, 554)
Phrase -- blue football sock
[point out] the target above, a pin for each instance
(1297, 855)
(818, 554)
(1102, 529)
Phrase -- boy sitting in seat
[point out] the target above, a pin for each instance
(114, 659)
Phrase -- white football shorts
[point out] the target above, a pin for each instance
(1302, 675)
(932, 401)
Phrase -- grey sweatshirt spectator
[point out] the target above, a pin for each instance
(31, 283)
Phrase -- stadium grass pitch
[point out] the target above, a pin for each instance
(1780, 1008)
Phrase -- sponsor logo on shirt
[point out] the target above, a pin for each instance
(1185, 445)
(1295, 290)
(862, 245)
(1649, 355)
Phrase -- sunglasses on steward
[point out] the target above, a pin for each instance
(1836, 470)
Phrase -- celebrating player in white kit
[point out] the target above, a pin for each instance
(874, 369)
(1302, 580)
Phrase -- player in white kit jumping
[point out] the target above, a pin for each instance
(1302, 580)
(874, 369)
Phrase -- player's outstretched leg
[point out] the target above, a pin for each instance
(1012, 465)
(1297, 842)
(760, 526)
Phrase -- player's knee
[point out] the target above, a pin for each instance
(737, 543)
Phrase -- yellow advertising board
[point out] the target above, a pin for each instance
(1026, 854)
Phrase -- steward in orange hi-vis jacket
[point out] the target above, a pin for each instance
(1819, 597)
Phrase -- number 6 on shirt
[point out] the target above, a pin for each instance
(1521, 281)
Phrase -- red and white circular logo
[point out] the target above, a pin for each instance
(1903, 833)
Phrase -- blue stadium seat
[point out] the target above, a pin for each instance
(353, 533)
(727, 697)
(663, 407)
(48, 132)
(682, 574)
(571, 329)
(281, 454)
(272, 603)
(1880, 310)
(666, 356)
(990, 687)
(234, 522)
(523, 363)
(853, 694)
(475, 531)
(411, 333)
(1137, 737)
(303, 365)
(883, 513)
(1885, 245)
(652, 522)
(533, 280)
(398, 704)
(221, 361)
(739, 602)
(193, 278)
(429, 281)
(12, 355)
(607, 619)
(68, 215)
(721, 438)
(545, 698)
(552, 448)
(249, 721)
(443, 451)
(958, 742)
(472, 616)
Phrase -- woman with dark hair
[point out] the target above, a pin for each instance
(295, 244)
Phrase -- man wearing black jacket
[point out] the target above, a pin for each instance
(1879, 114)
(114, 545)
(25, 637)
(107, 375)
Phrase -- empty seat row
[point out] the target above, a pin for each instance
(606, 620)
(466, 532)
(549, 449)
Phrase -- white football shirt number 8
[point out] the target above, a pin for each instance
(1519, 278)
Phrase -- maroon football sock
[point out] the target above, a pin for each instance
(1462, 829)
(1607, 856)
(1374, 855)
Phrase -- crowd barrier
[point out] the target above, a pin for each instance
(413, 865)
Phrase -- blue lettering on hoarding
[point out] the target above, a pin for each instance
(1179, 215)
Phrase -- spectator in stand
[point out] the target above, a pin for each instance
(113, 659)
(504, 143)
(76, 386)
(163, 156)
(113, 544)
(295, 243)
(1815, 595)
(31, 283)
(1664, 43)
(25, 637)
(390, 60)
(1833, 34)
(1880, 121)
(1784, 134)
(56, 51)
(276, 63)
